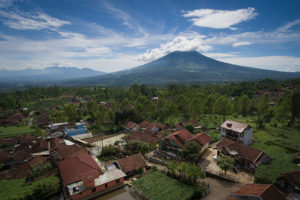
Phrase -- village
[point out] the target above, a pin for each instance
(66, 146)
(89, 166)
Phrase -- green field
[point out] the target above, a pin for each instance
(15, 189)
(12, 131)
(157, 185)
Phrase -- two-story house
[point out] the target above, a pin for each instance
(237, 131)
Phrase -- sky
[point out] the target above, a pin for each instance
(113, 35)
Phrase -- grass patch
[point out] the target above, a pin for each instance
(12, 131)
(157, 185)
(15, 189)
(281, 144)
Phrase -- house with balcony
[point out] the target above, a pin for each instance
(237, 131)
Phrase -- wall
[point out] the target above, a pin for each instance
(108, 141)
(247, 140)
(99, 188)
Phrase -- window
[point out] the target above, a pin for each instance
(93, 189)
(106, 185)
(118, 181)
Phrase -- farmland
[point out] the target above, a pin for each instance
(157, 185)
(12, 131)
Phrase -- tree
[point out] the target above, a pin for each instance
(295, 107)
(190, 128)
(191, 151)
(108, 150)
(282, 111)
(140, 170)
(225, 163)
(136, 146)
(71, 113)
(244, 105)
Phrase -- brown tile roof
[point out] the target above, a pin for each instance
(291, 178)
(25, 138)
(201, 138)
(25, 147)
(266, 192)
(43, 119)
(141, 136)
(4, 156)
(39, 146)
(37, 161)
(243, 151)
(132, 125)
(234, 126)
(131, 163)
(181, 125)
(8, 141)
(80, 168)
(225, 142)
(57, 143)
(161, 126)
(20, 156)
(71, 151)
(95, 139)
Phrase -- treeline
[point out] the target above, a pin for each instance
(174, 102)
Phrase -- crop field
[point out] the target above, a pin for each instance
(157, 185)
(12, 131)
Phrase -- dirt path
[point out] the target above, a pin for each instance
(30, 121)
(220, 190)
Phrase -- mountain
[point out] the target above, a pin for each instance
(49, 74)
(185, 68)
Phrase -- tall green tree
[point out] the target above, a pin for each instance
(295, 107)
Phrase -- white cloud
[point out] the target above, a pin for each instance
(30, 21)
(220, 55)
(279, 63)
(237, 44)
(188, 42)
(219, 19)
(289, 25)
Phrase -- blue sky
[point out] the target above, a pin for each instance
(115, 35)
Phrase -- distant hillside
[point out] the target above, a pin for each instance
(49, 74)
(184, 68)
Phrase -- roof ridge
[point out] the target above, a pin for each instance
(267, 188)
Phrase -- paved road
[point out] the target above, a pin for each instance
(220, 190)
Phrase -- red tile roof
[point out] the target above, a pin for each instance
(131, 163)
(266, 192)
(144, 124)
(80, 168)
(180, 137)
(201, 138)
(234, 126)
(132, 125)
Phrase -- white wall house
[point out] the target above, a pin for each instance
(237, 131)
